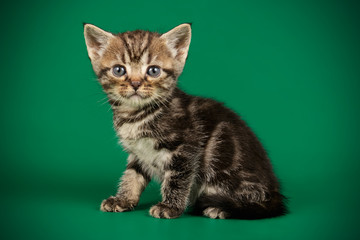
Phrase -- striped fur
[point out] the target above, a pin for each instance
(203, 154)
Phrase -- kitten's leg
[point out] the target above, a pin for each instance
(175, 188)
(132, 184)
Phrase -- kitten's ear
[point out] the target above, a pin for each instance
(96, 41)
(178, 41)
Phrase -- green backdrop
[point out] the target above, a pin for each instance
(290, 68)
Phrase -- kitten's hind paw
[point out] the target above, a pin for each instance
(161, 210)
(214, 213)
(116, 204)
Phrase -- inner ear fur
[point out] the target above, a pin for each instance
(178, 41)
(96, 41)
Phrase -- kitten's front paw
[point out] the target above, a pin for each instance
(161, 210)
(117, 204)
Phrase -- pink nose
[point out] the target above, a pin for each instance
(135, 84)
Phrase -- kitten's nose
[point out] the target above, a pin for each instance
(135, 84)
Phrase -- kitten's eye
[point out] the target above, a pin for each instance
(153, 71)
(119, 71)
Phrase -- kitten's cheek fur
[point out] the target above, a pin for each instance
(161, 210)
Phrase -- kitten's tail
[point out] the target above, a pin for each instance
(269, 209)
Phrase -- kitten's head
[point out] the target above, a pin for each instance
(140, 67)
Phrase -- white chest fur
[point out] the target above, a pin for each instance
(133, 130)
(153, 160)
(130, 130)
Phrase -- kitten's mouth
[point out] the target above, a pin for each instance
(135, 95)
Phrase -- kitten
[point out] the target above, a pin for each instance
(203, 154)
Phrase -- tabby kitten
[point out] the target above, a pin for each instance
(203, 154)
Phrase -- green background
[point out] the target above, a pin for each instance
(290, 68)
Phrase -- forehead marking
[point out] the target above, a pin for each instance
(136, 45)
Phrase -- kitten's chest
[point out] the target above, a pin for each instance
(131, 131)
(151, 159)
(139, 139)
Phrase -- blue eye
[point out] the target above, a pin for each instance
(119, 70)
(153, 71)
